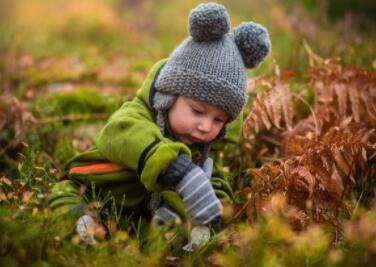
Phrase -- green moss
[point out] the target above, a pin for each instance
(133, 80)
(34, 77)
(84, 100)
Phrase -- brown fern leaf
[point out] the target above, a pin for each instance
(342, 92)
(368, 96)
(257, 113)
(15, 116)
(267, 180)
(355, 102)
(286, 100)
(319, 161)
(305, 182)
(301, 180)
(272, 107)
(344, 163)
(297, 144)
(300, 138)
(251, 121)
(325, 170)
(266, 177)
(349, 145)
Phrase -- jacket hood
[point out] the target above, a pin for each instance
(147, 90)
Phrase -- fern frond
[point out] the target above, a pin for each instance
(271, 107)
(322, 174)
(342, 92)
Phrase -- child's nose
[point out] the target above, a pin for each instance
(205, 125)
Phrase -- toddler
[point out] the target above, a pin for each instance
(152, 156)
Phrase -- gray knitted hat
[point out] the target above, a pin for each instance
(210, 65)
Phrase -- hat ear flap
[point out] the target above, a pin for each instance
(253, 42)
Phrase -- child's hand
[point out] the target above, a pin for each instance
(85, 229)
(192, 183)
(198, 196)
(164, 215)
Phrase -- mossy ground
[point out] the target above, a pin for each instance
(72, 64)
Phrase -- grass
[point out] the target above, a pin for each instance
(69, 61)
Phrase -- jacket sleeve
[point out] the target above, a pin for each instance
(132, 139)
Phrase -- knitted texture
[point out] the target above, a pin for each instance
(177, 169)
(208, 22)
(199, 197)
(253, 42)
(162, 102)
(208, 65)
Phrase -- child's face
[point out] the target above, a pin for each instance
(194, 121)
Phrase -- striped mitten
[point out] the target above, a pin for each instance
(193, 184)
(199, 197)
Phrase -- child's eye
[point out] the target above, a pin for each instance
(197, 111)
(219, 120)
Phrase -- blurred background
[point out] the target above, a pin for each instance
(138, 32)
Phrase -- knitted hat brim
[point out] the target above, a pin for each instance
(203, 87)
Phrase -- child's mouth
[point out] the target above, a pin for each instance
(188, 139)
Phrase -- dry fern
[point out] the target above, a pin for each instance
(342, 92)
(322, 155)
(15, 116)
(272, 107)
(315, 182)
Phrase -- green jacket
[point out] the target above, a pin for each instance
(132, 139)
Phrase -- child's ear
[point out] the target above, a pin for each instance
(253, 43)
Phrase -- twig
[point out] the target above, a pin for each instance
(245, 205)
(270, 140)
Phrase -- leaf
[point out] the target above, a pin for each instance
(355, 102)
(249, 123)
(269, 105)
(256, 114)
(344, 166)
(260, 110)
(303, 180)
(258, 173)
(368, 95)
(286, 101)
(336, 185)
(341, 92)
(273, 107)
(318, 161)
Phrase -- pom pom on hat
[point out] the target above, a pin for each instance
(253, 43)
(208, 22)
